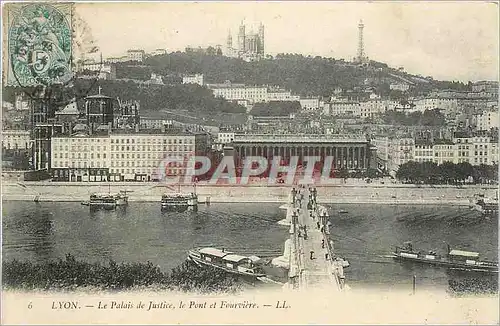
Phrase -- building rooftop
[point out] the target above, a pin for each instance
(167, 131)
(98, 96)
(469, 254)
(80, 127)
(214, 252)
(235, 258)
(443, 142)
(103, 131)
(423, 141)
(299, 138)
(70, 109)
(224, 85)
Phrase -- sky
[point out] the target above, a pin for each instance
(446, 40)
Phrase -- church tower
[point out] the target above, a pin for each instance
(241, 38)
(229, 45)
(261, 39)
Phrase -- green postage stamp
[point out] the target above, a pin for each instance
(39, 43)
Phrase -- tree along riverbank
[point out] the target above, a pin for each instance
(72, 274)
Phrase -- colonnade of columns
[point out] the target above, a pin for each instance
(344, 156)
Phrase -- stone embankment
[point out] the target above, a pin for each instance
(336, 193)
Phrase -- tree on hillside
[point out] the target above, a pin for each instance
(189, 97)
(275, 108)
(131, 71)
(428, 118)
(433, 118)
(303, 75)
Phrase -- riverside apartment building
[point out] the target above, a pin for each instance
(123, 155)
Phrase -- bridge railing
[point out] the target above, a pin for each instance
(335, 268)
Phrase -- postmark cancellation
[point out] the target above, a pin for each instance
(39, 37)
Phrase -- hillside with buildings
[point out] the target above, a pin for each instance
(371, 117)
(303, 75)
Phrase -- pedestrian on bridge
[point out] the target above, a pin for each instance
(311, 254)
(323, 243)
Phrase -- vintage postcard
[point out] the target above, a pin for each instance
(250, 162)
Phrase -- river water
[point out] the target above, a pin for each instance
(141, 232)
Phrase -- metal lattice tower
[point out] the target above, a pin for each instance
(361, 48)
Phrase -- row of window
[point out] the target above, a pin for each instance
(114, 156)
(147, 171)
(78, 164)
(149, 168)
(444, 154)
(473, 140)
(15, 145)
(125, 140)
(423, 153)
(128, 148)
(152, 141)
(66, 173)
(460, 153)
(80, 155)
(79, 140)
(144, 155)
(175, 148)
(460, 160)
(80, 148)
(135, 163)
(146, 163)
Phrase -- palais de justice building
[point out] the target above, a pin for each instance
(349, 151)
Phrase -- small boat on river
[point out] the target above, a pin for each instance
(454, 259)
(487, 206)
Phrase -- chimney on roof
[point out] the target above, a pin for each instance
(136, 127)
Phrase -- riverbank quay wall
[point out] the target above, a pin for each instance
(328, 194)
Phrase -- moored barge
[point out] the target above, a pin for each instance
(107, 201)
(227, 261)
(487, 206)
(179, 201)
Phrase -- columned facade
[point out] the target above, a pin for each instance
(351, 156)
